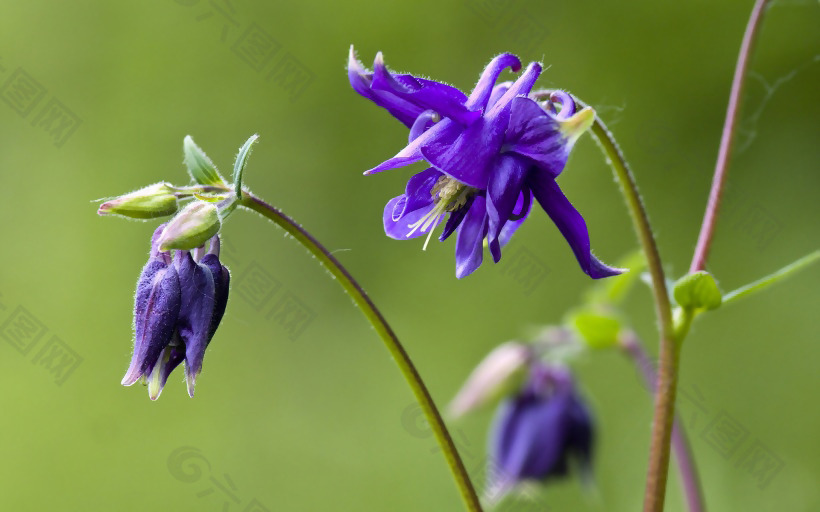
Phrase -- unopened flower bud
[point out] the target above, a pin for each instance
(157, 200)
(502, 370)
(191, 227)
(156, 311)
(179, 305)
(539, 430)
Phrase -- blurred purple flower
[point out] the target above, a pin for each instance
(538, 431)
(178, 305)
(490, 153)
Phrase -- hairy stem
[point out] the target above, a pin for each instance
(707, 229)
(388, 336)
(667, 379)
(687, 470)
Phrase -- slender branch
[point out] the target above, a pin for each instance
(707, 229)
(771, 279)
(640, 220)
(667, 380)
(687, 470)
(388, 336)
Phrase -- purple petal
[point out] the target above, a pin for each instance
(222, 281)
(498, 91)
(419, 189)
(481, 93)
(567, 104)
(444, 132)
(571, 224)
(422, 124)
(523, 205)
(470, 241)
(581, 434)
(542, 436)
(155, 252)
(470, 159)
(503, 192)
(170, 357)
(362, 80)
(521, 87)
(156, 309)
(534, 134)
(398, 226)
(455, 218)
(196, 311)
(444, 99)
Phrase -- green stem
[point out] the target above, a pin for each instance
(667, 379)
(707, 229)
(388, 336)
(633, 347)
(769, 280)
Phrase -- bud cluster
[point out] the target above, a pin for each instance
(178, 305)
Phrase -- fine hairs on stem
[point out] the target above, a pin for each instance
(384, 330)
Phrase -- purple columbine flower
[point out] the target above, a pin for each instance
(491, 153)
(178, 306)
(539, 430)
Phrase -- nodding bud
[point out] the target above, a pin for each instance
(179, 304)
(539, 431)
(192, 227)
(156, 312)
(157, 200)
(497, 374)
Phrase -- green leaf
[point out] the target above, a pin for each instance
(698, 291)
(597, 328)
(239, 163)
(200, 167)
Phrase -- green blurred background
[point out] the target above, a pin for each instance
(309, 412)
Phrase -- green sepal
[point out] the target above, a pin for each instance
(191, 227)
(151, 202)
(697, 291)
(200, 167)
(240, 162)
(598, 328)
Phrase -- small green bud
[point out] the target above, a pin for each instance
(596, 327)
(157, 200)
(192, 227)
(698, 291)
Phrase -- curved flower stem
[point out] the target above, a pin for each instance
(687, 470)
(388, 336)
(667, 379)
(707, 229)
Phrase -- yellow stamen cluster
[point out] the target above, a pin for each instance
(449, 195)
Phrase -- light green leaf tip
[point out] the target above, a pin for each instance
(240, 162)
(200, 167)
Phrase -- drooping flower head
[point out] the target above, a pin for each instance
(540, 432)
(490, 153)
(178, 305)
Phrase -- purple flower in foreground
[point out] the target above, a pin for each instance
(491, 153)
(537, 431)
(178, 305)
